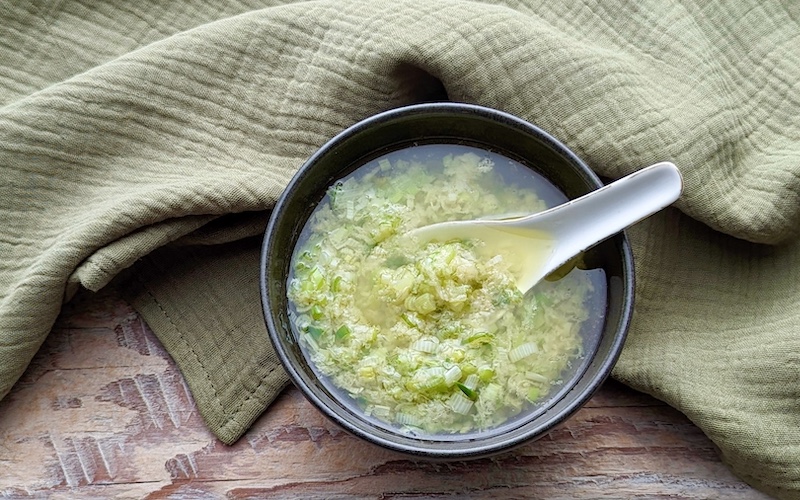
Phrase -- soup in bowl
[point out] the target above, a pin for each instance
(428, 347)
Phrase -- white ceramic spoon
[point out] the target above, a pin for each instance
(538, 244)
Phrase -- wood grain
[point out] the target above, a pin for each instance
(102, 412)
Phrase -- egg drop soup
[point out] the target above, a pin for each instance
(435, 339)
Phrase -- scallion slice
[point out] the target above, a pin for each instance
(460, 403)
(478, 338)
(471, 381)
(427, 345)
(471, 394)
(407, 419)
(452, 375)
(314, 331)
(522, 351)
(343, 332)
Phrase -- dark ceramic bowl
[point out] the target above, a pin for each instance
(425, 124)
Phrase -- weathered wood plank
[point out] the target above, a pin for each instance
(103, 412)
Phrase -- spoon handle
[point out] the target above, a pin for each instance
(608, 210)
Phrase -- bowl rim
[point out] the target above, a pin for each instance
(446, 450)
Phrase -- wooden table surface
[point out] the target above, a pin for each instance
(102, 412)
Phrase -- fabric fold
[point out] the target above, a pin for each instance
(216, 335)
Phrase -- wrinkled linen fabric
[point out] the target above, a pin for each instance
(143, 144)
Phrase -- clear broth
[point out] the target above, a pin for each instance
(515, 177)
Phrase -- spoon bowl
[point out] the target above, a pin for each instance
(536, 245)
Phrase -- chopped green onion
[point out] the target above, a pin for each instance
(429, 378)
(422, 304)
(407, 319)
(451, 254)
(343, 332)
(452, 375)
(522, 351)
(478, 338)
(460, 403)
(427, 345)
(535, 377)
(533, 394)
(314, 331)
(470, 393)
(316, 312)
(379, 411)
(366, 372)
(407, 419)
(301, 266)
(472, 381)
(302, 322)
(485, 373)
(316, 277)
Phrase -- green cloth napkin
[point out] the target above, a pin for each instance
(144, 143)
